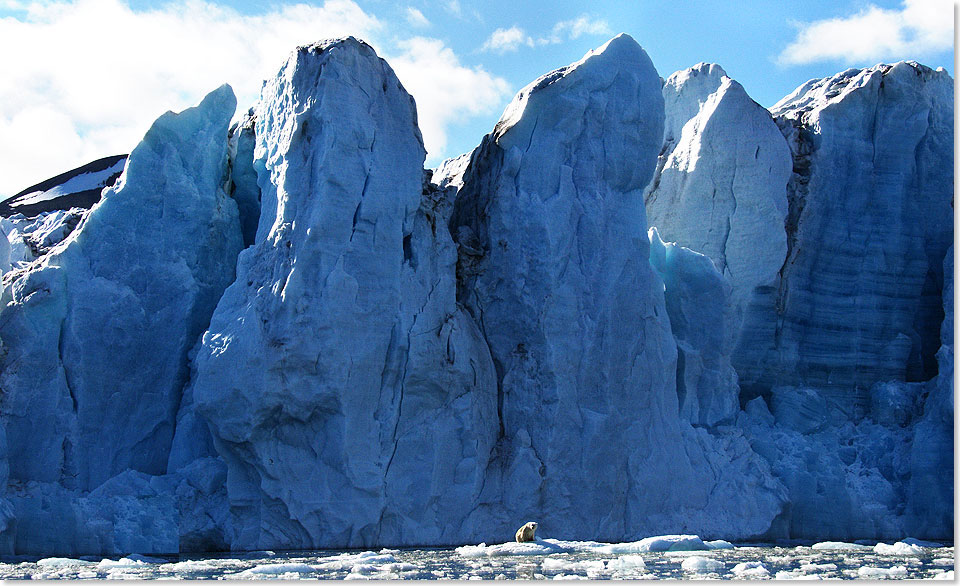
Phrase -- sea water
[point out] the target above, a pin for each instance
(548, 559)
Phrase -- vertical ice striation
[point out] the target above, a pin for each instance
(351, 399)
(720, 185)
(870, 219)
(554, 266)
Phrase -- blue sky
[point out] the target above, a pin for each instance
(89, 76)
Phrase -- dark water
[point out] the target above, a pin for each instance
(476, 563)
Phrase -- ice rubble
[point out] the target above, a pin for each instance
(412, 357)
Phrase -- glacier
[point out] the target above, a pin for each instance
(639, 307)
(351, 399)
(96, 334)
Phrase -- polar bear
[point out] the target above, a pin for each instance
(525, 533)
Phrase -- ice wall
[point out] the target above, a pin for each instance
(352, 400)
(870, 219)
(554, 266)
(97, 333)
(720, 184)
(698, 304)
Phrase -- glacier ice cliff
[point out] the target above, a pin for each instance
(845, 353)
(351, 399)
(698, 303)
(554, 266)
(870, 219)
(636, 308)
(721, 182)
(96, 333)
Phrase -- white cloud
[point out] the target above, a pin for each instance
(918, 28)
(505, 40)
(444, 88)
(576, 28)
(85, 79)
(416, 18)
(453, 7)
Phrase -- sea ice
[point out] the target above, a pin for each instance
(750, 570)
(839, 545)
(899, 549)
(701, 565)
(875, 573)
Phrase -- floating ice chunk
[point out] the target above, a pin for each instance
(942, 561)
(61, 562)
(200, 565)
(876, 573)
(701, 565)
(898, 548)
(948, 575)
(719, 544)
(287, 568)
(592, 568)
(356, 561)
(557, 564)
(538, 547)
(627, 563)
(748, 569)
(839, 545)
(122, 563)
(658, 543)
(569, 577)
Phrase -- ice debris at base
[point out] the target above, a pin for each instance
(880, 573)
(749, 570)
(900, 548)
(662, 543)
(701, 565)
(583, 561)
(401, 356)
(839, 545)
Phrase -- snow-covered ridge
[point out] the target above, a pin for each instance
(78, 187)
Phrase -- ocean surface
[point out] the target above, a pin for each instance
(547, 559)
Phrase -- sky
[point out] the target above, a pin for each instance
(83, 79)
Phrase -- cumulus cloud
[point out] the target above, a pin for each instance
(416, 18)
(576, 28)
(85, 79)
(506, 40)
(918, 28)
(464, 92)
